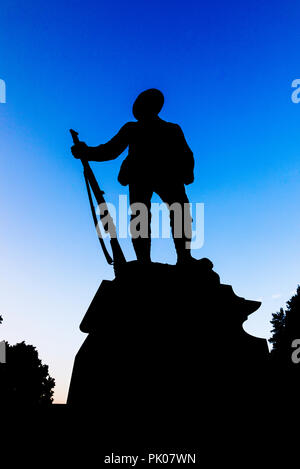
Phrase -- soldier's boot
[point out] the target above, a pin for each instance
(142, 247)
(183, 253)
(182, 243)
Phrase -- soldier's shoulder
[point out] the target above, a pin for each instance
(167, 123)
(129, 126)
(174, 127)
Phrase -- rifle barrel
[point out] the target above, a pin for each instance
(109, 226)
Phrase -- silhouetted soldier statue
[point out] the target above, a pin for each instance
(159, 160)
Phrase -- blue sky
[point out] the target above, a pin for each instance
(226, 70)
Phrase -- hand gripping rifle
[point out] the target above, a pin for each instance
(92, 185)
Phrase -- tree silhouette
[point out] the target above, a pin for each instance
(286, 328)
(278, 323)
(25, 381)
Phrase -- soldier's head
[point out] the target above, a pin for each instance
(148, 104)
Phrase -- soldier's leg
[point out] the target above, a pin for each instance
(140, 220)
(180, 219)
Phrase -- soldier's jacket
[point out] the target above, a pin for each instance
(158, 153)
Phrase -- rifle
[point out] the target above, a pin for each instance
(92, 185)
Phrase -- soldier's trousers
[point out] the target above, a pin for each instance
(180, 218)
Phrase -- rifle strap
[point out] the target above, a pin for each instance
(105, 251)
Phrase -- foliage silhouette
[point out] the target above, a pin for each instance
(286, 328)
(25, 381)
(278, 323)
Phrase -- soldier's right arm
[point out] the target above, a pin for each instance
(113, 148)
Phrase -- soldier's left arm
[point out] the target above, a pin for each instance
(188, 157)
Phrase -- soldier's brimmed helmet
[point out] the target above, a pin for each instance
(148, 103)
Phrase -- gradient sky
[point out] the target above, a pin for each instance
(226, 69)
